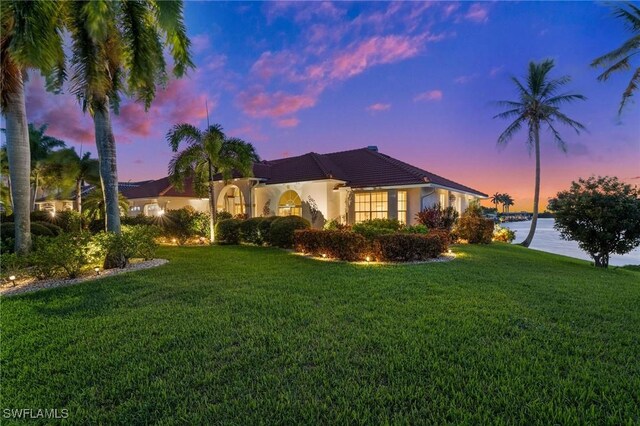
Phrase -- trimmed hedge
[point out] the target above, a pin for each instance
(55, 229)
(250, 231)
(264, 227)
(343, 245)
(402, 247)
(373, 228)
(282, 229)
(228, 231)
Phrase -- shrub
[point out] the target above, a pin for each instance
(282, 229)
(55, 229)
(43, 257)
(220, 216)
(250, 231)
(12, 264)
(184, 224)
(144, 239)
(140, 219)
(72, 252)
(68, 220)
(264, 227)
(41, 216)
(373, 228)
(343, 245)
(38, 229)
(415, 229)
(7, 233)
(402, 247)
(504, 235)
(228, 231)
(473, 227)
(117, 249)
(437, 217)
(335, 225)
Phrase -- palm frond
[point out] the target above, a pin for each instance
(183, 132)
(556, 115)
(627, 47)
(170, 19)
(632, 17)
(510, 131)
(184, 164)
(565, 98)
(556, 136)
(630, 90)
(509, 114)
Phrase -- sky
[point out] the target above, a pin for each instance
(418, 80)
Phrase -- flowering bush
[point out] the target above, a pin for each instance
(473, 227)
(504, 235)
(437, 217)
(373, 228)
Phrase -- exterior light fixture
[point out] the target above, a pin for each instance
(160, 213)
(368, 259)
(97, 269)
(324, 255)
(173, 240)
(449, 251)
(53, 214)
(12, 278)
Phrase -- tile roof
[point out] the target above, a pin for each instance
(358, 168)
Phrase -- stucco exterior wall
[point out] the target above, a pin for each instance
(167, 203)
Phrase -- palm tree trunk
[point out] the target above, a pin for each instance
(536, 194)
(106, 145)
(19, 159)
(79, 195)
(35, 192)
(212, 205)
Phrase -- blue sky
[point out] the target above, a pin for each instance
(417, 79)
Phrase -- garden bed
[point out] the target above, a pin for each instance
(444, 257)
(28, 285)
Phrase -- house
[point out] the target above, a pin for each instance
(348, 186)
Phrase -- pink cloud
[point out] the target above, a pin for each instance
(271, 64)
(257, 103)
(450, 8)
(496, 70)
(431, 95)
(464, 79)
(477, 13)
(288, 122)
(377, 107)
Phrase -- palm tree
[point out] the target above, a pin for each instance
(94, 205)
(88, 172)
(538, 104)
(5, 183)
(41, 147)
(30, 37)
(507, 201)
(207, 153)
(117, 48)
(495, 200)
(619, 59)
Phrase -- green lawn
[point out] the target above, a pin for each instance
(250, 335)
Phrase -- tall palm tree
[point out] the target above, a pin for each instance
(88, 172)
(495, 200)
(117, 48)
(538, 104)
(507, 202)
(41, 146)
(208, 153)
(5, 183)
(620, 59)
(30, 38)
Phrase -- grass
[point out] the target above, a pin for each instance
(249, 335)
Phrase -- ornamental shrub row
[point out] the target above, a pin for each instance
(273, 230)
(388, 247)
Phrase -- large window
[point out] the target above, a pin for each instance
(402, 207)
(371, 205)
(290, 204)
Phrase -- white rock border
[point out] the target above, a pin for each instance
(31, 285)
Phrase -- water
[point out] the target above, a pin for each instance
(549, 240)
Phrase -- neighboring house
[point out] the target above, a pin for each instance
(348, 186)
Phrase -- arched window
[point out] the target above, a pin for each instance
(290, 204)
(231, 200)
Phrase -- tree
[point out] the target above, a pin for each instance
(208, 153)
(94, 205)
(41, 146)
(117, 47)
(620, 59)
(602, 214)
(88, 172)
(507, 202)
(5, 183)
(496, 199)
(538, 104)
(30, 38)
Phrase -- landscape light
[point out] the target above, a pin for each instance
(97, 269)
(449, 251)
(324, 255)
(12, 278)
(368, 259)
(53, 214)
(173, 240)
(160, 213)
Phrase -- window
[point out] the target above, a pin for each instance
(443, 200)
(231, 201)
(290, 204)
(371, 205)
(402, 207)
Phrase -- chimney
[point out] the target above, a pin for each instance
(373, 148)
